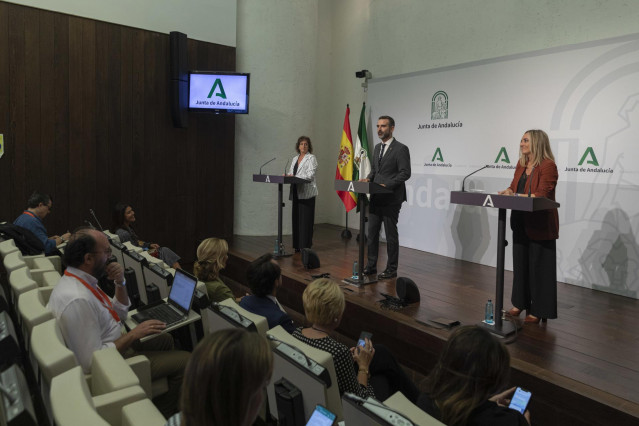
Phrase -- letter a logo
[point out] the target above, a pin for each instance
(438, 155)
(505, 159)
(488, 201)
(593, 157)
(350, 187)
(221, 94)
(267, 179)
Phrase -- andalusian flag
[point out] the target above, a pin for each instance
(362, 152)
(345, 163)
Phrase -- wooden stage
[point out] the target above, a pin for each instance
(582, 368)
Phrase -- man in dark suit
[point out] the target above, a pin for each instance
(264, 277)
(390, 167)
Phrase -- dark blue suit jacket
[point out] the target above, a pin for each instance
(267, 308)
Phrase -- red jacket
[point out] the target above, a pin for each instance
(543, 224)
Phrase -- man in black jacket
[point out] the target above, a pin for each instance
(390, 167)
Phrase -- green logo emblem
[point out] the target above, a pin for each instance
(439, 106)
(593, 157)
(505, 153)
(438, 155)
(221, 94)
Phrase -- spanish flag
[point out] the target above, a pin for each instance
(345, 163)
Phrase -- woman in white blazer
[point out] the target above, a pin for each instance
(304, 166)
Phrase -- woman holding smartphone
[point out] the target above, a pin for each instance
(466, 387)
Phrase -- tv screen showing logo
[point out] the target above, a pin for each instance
(219, 92)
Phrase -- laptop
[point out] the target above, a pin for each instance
(177, 308)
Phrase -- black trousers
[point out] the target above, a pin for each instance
(388, 215)
(303, 221)
(534, 275)
(388, 377)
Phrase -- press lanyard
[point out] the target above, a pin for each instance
(29, 213)
(101, 296)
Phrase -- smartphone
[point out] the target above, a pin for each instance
(362, 338)
(321, 417)
(520, 400)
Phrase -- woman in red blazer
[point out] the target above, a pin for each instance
(534, 233)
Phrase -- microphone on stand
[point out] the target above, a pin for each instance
(96, 219)
(463, 181)
(273, 159)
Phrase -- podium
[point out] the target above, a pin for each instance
(503, 203)
(360, 188)
(280, 181)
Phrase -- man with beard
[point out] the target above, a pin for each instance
(390, 167)
(91, 321)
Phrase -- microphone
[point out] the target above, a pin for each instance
(464, 180)
(286, 166)
(89, 224)
(273, 159)
(530, 179)
(96, 219)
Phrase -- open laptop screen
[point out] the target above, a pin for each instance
(183, 289)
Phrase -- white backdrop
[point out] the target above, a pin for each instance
(586, 97)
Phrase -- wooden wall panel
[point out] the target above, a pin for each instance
(85, 112)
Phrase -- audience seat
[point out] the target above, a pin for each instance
(331, 395)
(131, 247)
(142, 413)
(111, 235)
(72, 403)
(32, 306)
(151, 259)
(212, 321)
(6, 247)
(24, 279)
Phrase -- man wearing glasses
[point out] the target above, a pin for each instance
(90, 320)
(38, 207)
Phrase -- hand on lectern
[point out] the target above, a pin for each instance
(364, 180)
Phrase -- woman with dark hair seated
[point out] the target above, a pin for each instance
(225, 380)
(466, 387)
(123, 218)
(212, 255)
(365, 371)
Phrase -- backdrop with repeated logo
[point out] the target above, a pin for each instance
(458, 119)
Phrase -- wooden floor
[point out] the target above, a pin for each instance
(583, 368)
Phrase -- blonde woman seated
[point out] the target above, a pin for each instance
(365, 371)
(212, 255)
(225, 380)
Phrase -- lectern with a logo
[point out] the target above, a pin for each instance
(280, 180)
(360, 188)
(503, 203)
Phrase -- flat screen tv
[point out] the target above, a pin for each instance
(219, 92)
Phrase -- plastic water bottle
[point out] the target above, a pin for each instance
(276, 248)
(489, 317)
(355, 270)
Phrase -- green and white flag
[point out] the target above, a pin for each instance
(362, 151)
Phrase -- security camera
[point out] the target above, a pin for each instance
(363, 74)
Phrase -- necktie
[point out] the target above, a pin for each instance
(381, 154)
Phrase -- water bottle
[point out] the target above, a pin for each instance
(276, 248)
(489, 317)
(355, 270)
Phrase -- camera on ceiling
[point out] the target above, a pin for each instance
(363, 74)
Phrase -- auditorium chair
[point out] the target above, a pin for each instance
(6, 247)
(32, 306)
(111, 236)
(313, 391)
(129, 246)
(154, 260)
(16, 260)
(24, 279)
(73, 404)
(214, 320)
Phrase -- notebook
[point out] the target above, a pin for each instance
(177, 308)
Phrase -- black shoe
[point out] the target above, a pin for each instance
(386, 275)
(369, 271)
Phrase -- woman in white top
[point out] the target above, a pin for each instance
(304, 166)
